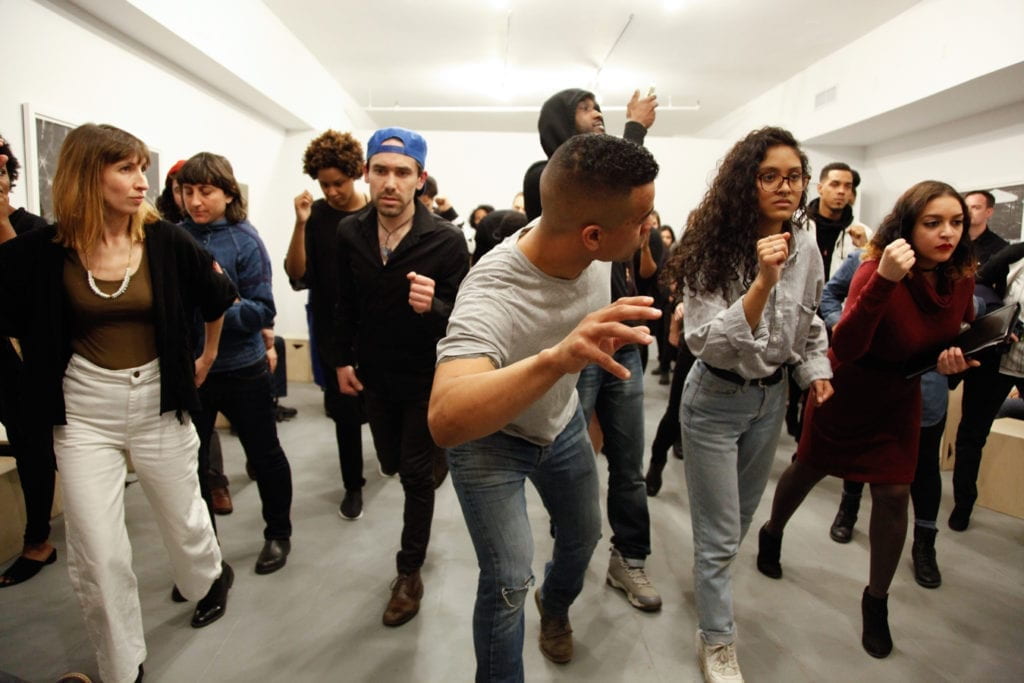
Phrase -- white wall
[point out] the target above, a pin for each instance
(474, 168)
(978, 151)
(84, 75)
(933, 46)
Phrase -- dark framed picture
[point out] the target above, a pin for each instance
(44, 136)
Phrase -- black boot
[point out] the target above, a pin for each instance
(769, 552)
(926, 570)
(653, 477)
(960, 517)
(842, 527)
(876, 638)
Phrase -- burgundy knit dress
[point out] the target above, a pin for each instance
(868, 431)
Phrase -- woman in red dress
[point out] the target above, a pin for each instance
(909, 296)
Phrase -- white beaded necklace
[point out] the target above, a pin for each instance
(124, 283)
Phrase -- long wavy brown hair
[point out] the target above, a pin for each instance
(717, 247)
(901, 221)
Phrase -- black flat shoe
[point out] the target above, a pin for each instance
(24, 569)
(215, 602)
(176, 595)
(273, 556)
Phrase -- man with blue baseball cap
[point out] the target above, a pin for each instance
(399, 267)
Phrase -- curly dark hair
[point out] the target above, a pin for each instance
(12, 161)
(333, 150)
(717, 247)
(901, 221)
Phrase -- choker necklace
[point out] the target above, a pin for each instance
(124, 283)
(928, 270)
(385, 251)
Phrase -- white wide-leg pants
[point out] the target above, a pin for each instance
(111, 413)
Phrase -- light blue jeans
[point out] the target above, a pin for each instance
(489, 476)
(729, 436)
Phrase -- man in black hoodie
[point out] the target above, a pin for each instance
(617, 402)
(831, 215)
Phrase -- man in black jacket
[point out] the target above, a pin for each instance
(399, 267)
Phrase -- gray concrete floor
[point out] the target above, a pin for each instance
(318, 619)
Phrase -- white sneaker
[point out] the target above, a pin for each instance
(718, 662)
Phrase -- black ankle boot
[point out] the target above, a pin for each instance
(926, 570)
(960, 517)
(842, 527)
(653, 478)
(876, 638)
(769, 551)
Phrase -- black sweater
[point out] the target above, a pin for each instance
(35, 309)
(376, 328)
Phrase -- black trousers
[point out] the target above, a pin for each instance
(347, 414)
(404, 444)
(985, 389)
(244, 396)
(668, 428)
(31, 442)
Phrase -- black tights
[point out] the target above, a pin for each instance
(926, 491)
(668, 429)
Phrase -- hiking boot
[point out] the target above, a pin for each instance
(718, 661)
(555, 635)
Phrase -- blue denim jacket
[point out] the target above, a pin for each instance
(240, 252)
(837, 288)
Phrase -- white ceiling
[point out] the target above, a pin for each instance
(516, 53)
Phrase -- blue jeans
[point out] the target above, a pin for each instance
(619, 405)
(489, 476)
(729, 436)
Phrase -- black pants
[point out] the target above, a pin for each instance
(280, 381)
(244, 396)
(668, 429)
(347, 413)
(31, 441)
(404, 444)
(926, 491)
(985, 389)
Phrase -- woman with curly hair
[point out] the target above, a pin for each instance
(909, 297)
(750, 278)
(335, 161)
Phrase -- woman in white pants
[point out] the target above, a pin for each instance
(102, 302)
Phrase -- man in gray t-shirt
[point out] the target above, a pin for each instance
(526, 321)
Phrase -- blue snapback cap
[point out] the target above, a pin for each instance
(414, 145)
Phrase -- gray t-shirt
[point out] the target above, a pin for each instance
(507, 309)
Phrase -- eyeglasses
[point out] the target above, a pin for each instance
(772, 181)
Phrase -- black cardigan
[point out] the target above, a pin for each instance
(34, 308)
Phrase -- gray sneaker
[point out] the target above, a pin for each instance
(633, 582)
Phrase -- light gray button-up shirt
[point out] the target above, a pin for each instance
(789, 332)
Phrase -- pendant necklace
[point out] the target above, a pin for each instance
(385, 251)
(124, 283)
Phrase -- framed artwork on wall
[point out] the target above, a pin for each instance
(44, 136)
(1008, 218)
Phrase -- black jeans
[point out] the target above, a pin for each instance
(31, 445)
(347, 413)
(404, 444)
(926, 490)
(985, 389)
(244, 396)
(668, 429)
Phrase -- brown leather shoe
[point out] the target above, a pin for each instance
(555, 635)
(406, 593)
(221, 500)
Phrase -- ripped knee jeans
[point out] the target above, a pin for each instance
(489, 476)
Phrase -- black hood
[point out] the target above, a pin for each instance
(557, 122)
(842, 223)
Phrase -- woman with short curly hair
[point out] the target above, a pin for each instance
(750, 277)
(335, 161)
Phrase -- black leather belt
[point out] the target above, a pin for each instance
(729, 376)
